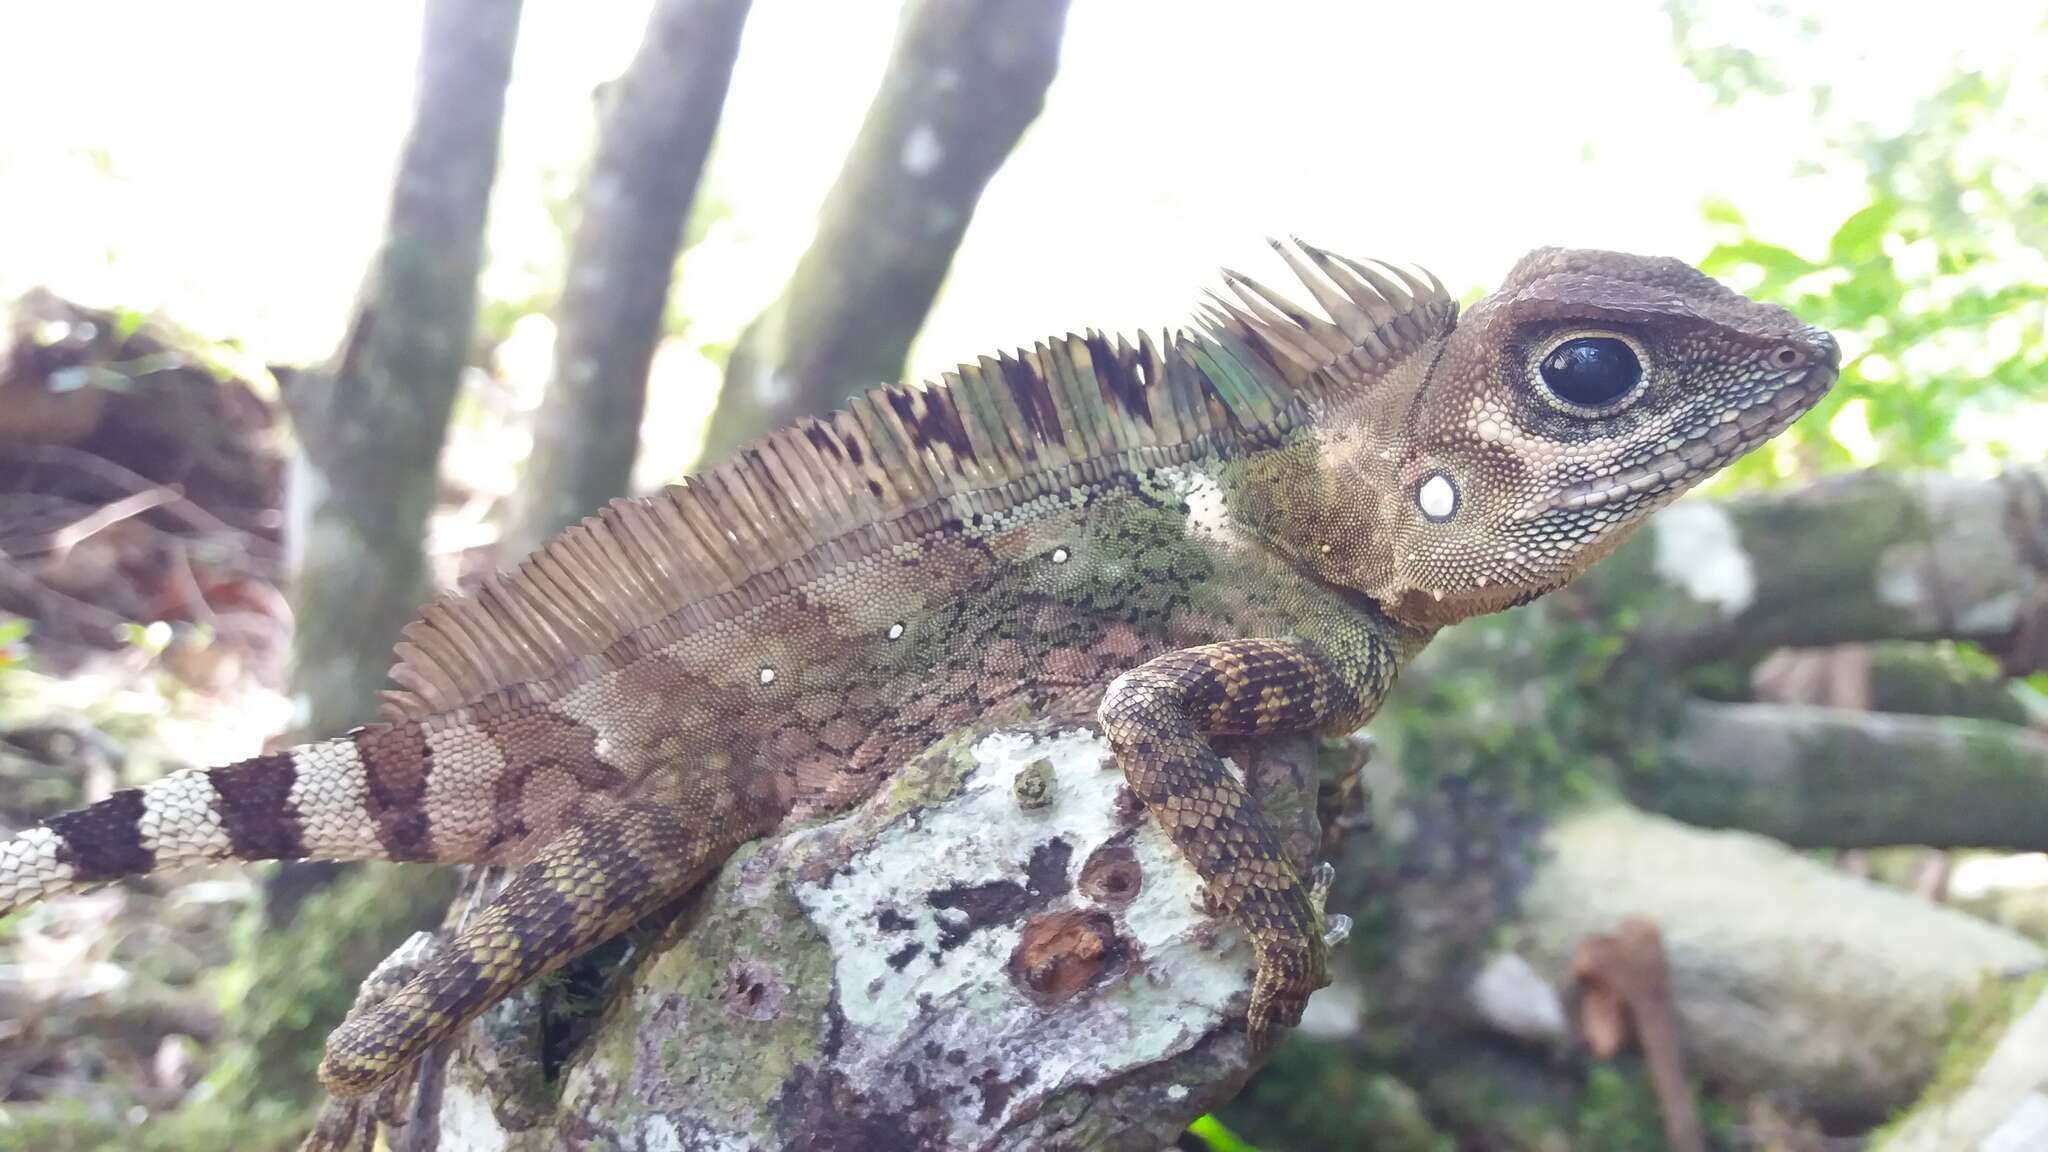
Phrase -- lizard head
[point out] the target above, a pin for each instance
(1590, 390)
(1457, 467)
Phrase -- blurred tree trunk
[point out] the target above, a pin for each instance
(965, 79)
(371, 423)
(655, 130)
(370, 426)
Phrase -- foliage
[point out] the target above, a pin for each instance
(1937, 286)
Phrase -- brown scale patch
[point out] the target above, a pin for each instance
(255, 807)
(551, 763)
(395, 767)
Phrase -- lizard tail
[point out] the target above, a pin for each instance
(323, 800)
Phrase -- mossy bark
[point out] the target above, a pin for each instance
(943, 967)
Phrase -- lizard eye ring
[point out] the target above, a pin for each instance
(1787, 356)
(1590, 373)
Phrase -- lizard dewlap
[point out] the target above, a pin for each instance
(1241, 529)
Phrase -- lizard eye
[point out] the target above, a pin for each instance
(1591, 371)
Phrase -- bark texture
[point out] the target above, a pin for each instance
(1856, 558)
(993, 953)
(1834, 778)
(965, 79)
(371, 424)
(655, 131)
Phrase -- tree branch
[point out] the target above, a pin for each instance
(1834, 991)
(1837, 778)
(1862, 557)
(994, 950)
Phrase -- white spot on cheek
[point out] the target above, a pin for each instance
(896, 630)
(1700, 550)
(1437, 497)
(767, 675)
(1059, 555)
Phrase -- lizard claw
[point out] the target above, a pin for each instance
(1336, 930)
(1320, 878)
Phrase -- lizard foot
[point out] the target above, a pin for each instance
(1290, 968)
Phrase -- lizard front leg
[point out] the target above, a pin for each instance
(585, 886)
(1156, 717)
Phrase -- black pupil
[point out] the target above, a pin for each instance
(1592, 371)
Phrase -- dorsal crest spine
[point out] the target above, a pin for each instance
(822, 492)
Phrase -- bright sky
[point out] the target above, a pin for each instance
(228, 160)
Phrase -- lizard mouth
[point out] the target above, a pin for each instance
(1737, 432)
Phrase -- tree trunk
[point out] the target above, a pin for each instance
(964, 81)
(370, 425)
(655, 131)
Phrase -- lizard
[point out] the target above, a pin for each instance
(1245, 527)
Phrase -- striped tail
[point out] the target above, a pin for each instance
(312, 801)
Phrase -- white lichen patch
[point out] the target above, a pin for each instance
(902, 992)
(468, 1123)
(1699, 549)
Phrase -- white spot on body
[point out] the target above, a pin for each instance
(1437, 497)
(1060, 555)
(896, 630)
(181, 820)
(767, 675)
(1699, 549)
(922, 151)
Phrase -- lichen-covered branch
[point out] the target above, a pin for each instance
(1862, 557)
(996, 952)
(1829, 777)
(1992, 1092)
(1833, 990)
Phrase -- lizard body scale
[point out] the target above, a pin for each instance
(1239, 530)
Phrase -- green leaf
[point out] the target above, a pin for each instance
(1861, 236)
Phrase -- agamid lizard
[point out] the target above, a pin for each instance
(1243, 529)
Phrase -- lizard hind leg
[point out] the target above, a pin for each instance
(587, 885)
